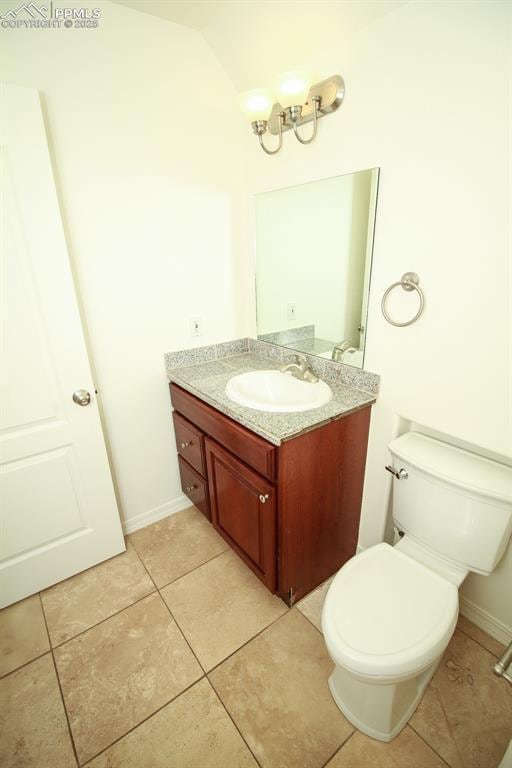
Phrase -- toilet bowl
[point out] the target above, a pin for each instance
(387, 620)
(390, 612)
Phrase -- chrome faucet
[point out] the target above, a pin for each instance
(340, 348)
(300, 369)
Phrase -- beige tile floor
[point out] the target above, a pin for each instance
(173, 655)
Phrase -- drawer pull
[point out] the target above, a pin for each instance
(263, 498)
(190, 488)
(187, 444)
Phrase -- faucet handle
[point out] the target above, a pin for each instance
(295, 359)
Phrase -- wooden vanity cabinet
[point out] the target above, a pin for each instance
(243, 508)
(291, 512)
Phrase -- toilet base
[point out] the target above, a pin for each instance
(379, 709)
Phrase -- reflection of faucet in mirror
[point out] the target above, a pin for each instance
(340, 348)
(300, 369)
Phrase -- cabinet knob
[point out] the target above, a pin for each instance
(186, 445)
(190, 488)
(263, 498)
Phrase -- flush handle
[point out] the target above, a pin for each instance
(400, 474)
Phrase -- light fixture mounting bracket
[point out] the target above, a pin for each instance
(331, 93)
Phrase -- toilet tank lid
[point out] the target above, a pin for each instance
(454, 465)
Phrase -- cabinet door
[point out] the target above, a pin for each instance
(243, 508)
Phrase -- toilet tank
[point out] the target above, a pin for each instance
(453, 502)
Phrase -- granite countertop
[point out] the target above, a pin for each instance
(207, 381)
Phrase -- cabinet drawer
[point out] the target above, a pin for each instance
(255, 451)
(190, 443)
(243, 506)
(194, 486)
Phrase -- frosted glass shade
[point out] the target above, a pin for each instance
(292, 88)
(257, 104)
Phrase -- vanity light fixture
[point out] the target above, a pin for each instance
(293, 102)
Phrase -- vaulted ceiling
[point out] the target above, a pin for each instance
(256, 39)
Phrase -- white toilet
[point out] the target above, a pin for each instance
(390, 612)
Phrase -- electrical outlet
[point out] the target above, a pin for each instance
(196, 326)
(291, 311)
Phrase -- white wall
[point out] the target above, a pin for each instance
(147, 143)
(427, 102)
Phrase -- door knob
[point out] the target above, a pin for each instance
(81, 397)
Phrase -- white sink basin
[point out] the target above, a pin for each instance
(277, 392)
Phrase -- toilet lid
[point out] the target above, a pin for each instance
(386, 614)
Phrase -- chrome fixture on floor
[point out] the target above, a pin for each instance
(294, 102)
(503, 667)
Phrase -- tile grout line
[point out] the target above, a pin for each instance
(342, 745)
(139, 557)
(116, 613)
(73, 747)
(195, 568)
(182, 634)
(170, 612)
(25, 664)
(204, 675)
(156, 590)
(102, 621)
(310, 620)
(153, 592)
(172, 581)
(440, 700)
(418, 734)
(233, 720)
(220, 663)
(478, 641)
(286, 613)
(144, 720)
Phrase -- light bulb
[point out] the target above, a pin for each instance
(292, 88)
(257, 104)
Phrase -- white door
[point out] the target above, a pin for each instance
(58, 511)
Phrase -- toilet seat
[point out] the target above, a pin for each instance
(387, 615)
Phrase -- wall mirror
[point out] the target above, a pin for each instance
(313, 264)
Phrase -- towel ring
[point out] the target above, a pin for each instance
(410, 282)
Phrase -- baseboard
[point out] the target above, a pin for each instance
(485, 621)
(158, 513)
